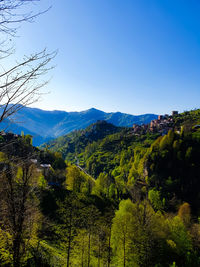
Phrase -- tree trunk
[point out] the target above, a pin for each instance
(82, 254)
(68, 251)
(89, 250)
(16, 256)
(109, 249)
(17, 242)
(69, 240)
(124, 252)
(99, 251)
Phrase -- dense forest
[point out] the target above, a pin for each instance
(102, 196)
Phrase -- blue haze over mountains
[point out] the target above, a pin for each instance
(46, 125)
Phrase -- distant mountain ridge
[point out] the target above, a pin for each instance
(45, 125)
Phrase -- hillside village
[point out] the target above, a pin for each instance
(161, 125)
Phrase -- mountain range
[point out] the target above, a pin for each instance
(46, 125)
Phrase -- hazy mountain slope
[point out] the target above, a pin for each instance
(8, 126)
(45, 125)
(76, 141)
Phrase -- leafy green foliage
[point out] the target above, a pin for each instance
(173, 168)
(130, 200)
(74, 143)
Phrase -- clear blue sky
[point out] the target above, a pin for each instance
(133, 56)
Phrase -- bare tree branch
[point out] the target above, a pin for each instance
(10, 14)
(10, 19)
(20, 85)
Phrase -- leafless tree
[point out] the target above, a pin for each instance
(18, 206)
(11, 16)
(20, 85)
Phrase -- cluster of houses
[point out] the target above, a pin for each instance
(162, 125)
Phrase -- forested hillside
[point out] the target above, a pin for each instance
(74, 143)
(129, 200)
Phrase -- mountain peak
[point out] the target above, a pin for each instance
(45, 125)
(93, 110)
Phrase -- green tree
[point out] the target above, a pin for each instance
(137, 234)
(102, 185)
(179, 240)
(80, 253)
(154, 197)
(122, 232)
(69, 221)
(74, 179)
(90, 215)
